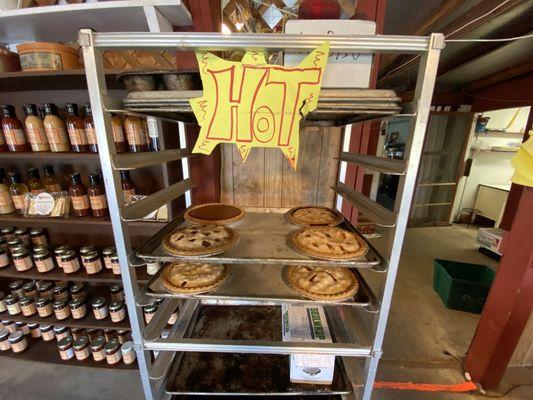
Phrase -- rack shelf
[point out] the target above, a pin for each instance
(47, 155)
(46, 352)
(263, 240)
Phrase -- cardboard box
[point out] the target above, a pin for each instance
(344, 70)
(491, 238)
(307, 323)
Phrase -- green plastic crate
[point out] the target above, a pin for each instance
(462, 286)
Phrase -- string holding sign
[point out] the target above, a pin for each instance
(255, 104)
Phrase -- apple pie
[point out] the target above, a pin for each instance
(330, 243)
(200, 240)
(314, 216)
(180, 277)
(214, 213)
(323, 283)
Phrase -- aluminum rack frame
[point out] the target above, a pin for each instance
(147, 337)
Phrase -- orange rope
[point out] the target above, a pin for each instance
(426, 387)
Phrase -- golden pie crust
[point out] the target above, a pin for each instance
(214, 213)
(180, 277)
(314, 216)
(200, 240)
(329, 243)
(323, 283)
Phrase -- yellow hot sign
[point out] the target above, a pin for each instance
(255, 104)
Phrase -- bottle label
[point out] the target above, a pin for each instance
(36, 135)
(118, 133)
(15, 137)
(128, 195)
(77, 136)
(44, 203)
(18, 201)
(56, 187)
(57, 135)
(98, 202)
(134, 136)
(6, 203)
(80, 202)
(91, 135)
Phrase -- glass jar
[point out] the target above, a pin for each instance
(94, 333)
(65, 347)
(82, 351)
(23, 235)
(43, 260)
(30, 289)
(92, 263)
(8, 232)
(4, 340)
(123, 336)
(18, 342)
(61, 291)
(44, 307)
(61, 332)
(115, 264)
(117, 292)
(61, 309)
(77, 291)
(87, 249)
(128, 353)
(38, 237)
(58, 252)
(46, 289)
(47, 332)
(97, 348)
(35, 332)
(12, 304)
(14, 242)
(149, 312)
(100, 309)
(10, 326)
(106, 254)
(4, 258)
(70, 262)
(3, 307)
(117, 311)
(22, 327)
(78, 308)
(28, 307)
(112, 352)
(16, 288)
(22, 260)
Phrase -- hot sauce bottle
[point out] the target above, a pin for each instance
(18, 191)
(35, 131)
(3, 145)
(90, 129)
(56, 130)
(118, 134)
(128, 189)
(97, 197)
(51, 184)
(78, 194)
(6, 202)
(34, 183)
(133, 127)
(13, 131)
(76, 129)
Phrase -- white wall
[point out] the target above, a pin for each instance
(508, 119)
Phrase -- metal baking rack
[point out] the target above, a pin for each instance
(358, 331)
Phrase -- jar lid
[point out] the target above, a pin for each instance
(61, 249)
(59, 304)
(20, 324)
(16, 285)
(60, 329)
(109, 251)
(98, 342)
(60, 288)
(150, 308)
(16, 337)
(26, 300)
(112, 346)
(123, 332)
(127, 347)
(33, 326)
(14, 241)
(77, 287)
(44, 286)
(4, 333)
(20, 252)
(99, 302)
(87, 249)
(20, 231)
(7, 229)
(76, 303)
(114, 258)
(40, 253)
(29, 286)
(42, 301)
(115, 288)
(81, 343)
(45, 328)
(65, 343)
(90, 255)
(116, 305)
(11, 299)
(36, 232)
(67, 255)
(7, 322)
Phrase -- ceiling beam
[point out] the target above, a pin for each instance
(500, 76)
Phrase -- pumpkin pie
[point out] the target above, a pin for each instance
(214, 213)
(200, 240)
(314, 216)
(329, 243)
(180, 277)
(323, 283)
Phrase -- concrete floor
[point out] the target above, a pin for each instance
(420, 328)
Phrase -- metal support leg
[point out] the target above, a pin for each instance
(184, 161)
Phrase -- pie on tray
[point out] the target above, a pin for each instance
(323, 283)
(314, 215)
(214, 213)
(330, 243)
(200, 240)
(180, 277)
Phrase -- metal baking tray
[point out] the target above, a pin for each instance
(226, 374)
(263, 240)
(260, 285)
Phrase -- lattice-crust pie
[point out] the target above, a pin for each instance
(322, 283)
(330, 243)
(314, 216)
(214, 213)
(199, 240)
(180, 277)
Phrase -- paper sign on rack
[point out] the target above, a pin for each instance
(255, 104)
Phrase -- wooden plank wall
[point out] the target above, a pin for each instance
(266, 179)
